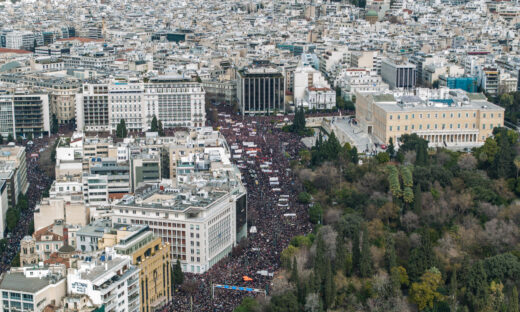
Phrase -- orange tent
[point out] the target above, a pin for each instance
(247, 279)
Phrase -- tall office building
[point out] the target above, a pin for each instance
(398, 74)
(260, 91)
(92, 108)
(22, 113)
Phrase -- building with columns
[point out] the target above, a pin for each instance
(444, 117)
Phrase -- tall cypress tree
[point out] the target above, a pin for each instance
(328, 285)
(365, 261)
(512, 305)
(477, 286)
(390, 258)
(417, 203)
(391, 149)
(340, 260)
(356, 253)
(294, 271)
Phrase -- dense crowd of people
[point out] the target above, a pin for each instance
(275, 224)
(38, 182)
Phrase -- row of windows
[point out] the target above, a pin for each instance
(459, 115)
(443, 126)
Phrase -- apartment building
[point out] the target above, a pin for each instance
(15, 155)
(31, 288)
(4, 205)
(107, 279)
(61, 90)
(446, 118)
(354, 80)
(23, 113)
(19, 40)
(202, 212)
(176, 101)
(489, 80)
(150, 255)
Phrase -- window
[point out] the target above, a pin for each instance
(436, 116)
(398, 128)
(428, 126)
(405, 128)
(483, 126)
(492, 115)
(458, 115)
(420, 127)
(398, 117)
(443, 126)
(420, 115)
(428, 115)
(491, 126)
(484, 115)
(467, 115)
(413, 127)
(443, 115)
(451, 126)
(458, 126)
(390, 128)
(466, 126)
(5, 294)
(406, 117)
(413, 116)
(435, 126)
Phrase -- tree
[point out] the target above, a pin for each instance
(178, 275)
(391, 149)
(11, 217)
(417, 207)
(10, 138)
(356, 252)
(390, 258)
(453, 290)
(29, 136)
(425, 293)
(476, 285)
(315, 213)
(328, 285)
(1, 139)
(54, 124)
(365, 260)
(16, 260)
(383, 157)
(421, 257)
(512, 305)
(161, 129)
(121, 131)
(286, 302)
(248, 305)
(294, 271)
(154, 126)
(304, 198)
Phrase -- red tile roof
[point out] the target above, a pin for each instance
(82, 39)
(4, 50)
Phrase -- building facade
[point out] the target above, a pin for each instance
(450, 118)
(260, 91)
(398, 74)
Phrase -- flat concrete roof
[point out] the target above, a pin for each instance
(18, 282)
